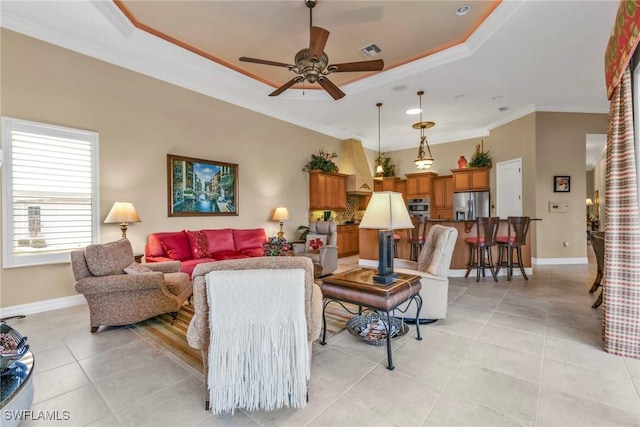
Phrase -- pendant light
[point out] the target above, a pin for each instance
(423, 162)
(379, 168)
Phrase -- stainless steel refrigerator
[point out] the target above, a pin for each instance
(470, 205)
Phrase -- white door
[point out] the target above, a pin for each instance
(509, 188)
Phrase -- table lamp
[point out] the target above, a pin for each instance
(281, 214)
(589, 203)
(386, 212)
(122, 213)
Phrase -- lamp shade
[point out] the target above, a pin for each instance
(386, 211)
(122, 212)
(281, 214)
(589, 202)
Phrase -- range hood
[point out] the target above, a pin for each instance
(353, 162)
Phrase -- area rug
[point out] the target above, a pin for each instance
(173, 338)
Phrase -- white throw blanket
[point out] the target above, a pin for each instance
(258, 354)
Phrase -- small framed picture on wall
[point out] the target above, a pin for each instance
(561, 184)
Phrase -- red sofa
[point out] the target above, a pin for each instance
(195, 247)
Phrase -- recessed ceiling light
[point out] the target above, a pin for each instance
(503, 108)
(460, 96)
(399, 88)
(413, 111)
(495, 98)
(463, 10)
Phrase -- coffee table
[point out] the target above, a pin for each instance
(357, 287)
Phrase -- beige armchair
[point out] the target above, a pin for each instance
(199, 333)
(116, 297)
(432, 266)
(326, 259)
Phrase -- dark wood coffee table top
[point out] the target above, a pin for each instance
(362, 280)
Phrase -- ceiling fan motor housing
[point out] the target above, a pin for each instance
(309, 68)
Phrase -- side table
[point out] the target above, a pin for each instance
(357, 287)
(138, 258)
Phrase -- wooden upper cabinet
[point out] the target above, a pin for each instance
(419, 185)
(442, 197)
(392, 183)
(470, 179)
(327, 190)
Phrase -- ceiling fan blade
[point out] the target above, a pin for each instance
(317, 41)
(375, 65)
(265, 62)
(333, 90)
(286, 86)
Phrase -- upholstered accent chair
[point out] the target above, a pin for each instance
(325, 258)
(199, 332)
(120, 291)
(432, 266)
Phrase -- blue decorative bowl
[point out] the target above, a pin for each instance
(6, 360)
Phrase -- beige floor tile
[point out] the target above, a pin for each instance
(604, 387)
(162, 407)
(513, 339)
(541, 303)
(454, 345)
(564, 409)
(633, 366)
(453, 411)
(382, 398)
(462, 327)
(468, 313)
(522, 311)
(592, 337)
(92, 344)
(57, 381)
(479, 290)
(518, 364)
(500, 392)
(77, 407)
(524, 324)
(477, 302)
(52, 357)
(423, 361)
(238, 419)
(586, 356)
(108, 421)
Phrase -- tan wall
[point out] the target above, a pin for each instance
(561, 150)
(140, 120)
(599, 177)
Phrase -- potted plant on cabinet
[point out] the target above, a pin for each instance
(322, 161)
(480, 158)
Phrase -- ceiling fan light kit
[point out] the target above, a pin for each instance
(422, 161)
(312, 64)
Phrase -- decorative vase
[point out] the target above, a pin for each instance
(462, 162)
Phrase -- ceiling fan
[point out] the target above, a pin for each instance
(312, 64)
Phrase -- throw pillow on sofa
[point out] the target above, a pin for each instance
(176, 246)
(315, 242)
(199, 244)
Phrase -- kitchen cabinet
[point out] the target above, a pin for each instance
(327, 191)
(442, 197)
(391, 184)
(348, 240)
(419, 185)
(470, 179)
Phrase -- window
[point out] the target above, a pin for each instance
(50, 192)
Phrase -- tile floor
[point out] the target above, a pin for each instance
(508, 354)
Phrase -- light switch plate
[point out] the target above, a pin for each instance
(556, 207)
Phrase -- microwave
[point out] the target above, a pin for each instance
(418, 207)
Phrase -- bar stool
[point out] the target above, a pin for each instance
(597, 242)
(480, 246)
(416, 237)
(516, 238)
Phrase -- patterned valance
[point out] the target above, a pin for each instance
(622, 43)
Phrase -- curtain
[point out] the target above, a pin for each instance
(621, 287)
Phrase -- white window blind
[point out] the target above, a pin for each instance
(49, 192)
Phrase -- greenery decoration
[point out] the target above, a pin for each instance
(322, 161)
(480, 158)
(304, 230)
(388, 169)
(278, 246)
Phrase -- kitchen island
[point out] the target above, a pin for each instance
(460, 259)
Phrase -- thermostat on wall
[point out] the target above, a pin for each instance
(558, 206)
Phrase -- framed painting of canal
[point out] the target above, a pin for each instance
(198, 187)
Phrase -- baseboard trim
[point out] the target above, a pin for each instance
(559, 261)
(42, 306)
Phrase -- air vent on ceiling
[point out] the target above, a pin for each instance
(371, 50)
